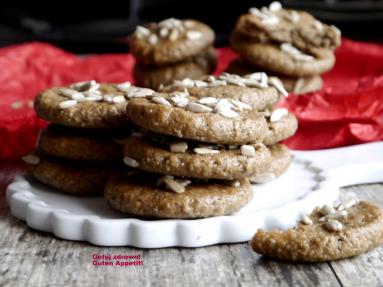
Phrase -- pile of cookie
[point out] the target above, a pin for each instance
(201, 144)
(290, 44)
(172, 49)
(81, 148)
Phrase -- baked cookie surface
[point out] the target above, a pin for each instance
(143, 196)
(170, 41)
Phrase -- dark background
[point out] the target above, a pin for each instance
(103, 27)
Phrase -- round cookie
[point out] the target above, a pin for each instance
(294, 85)
(170, 41)
(257, 90)
(197, 161)
(283, 58)
(275, 24)
(183, 116)
(280, 161)
(84, 144)
(88, 104)
(344, 233)
(281, 127)
(138, 195)
(70, 177)
(151, 76)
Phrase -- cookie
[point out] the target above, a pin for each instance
(257, 89)
(220, 121)
(83, 144)
(170, 41)
(280, 161)
(88, 104)
(149, 195)
(278, 25)
(196, 160)
(151, 76)
(71, 177)
(294, 85)
(283, 58)
(329, 233)
(282, 125)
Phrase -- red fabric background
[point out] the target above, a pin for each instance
(348, 110)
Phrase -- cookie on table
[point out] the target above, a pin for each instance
(77, 178)
(88, 104)
(160, 196)
(328, 233)
(280, 161)
(219, 121)
(152, 76)
(257, 89)
(196, 160)
(274, 24)
(283, 58)
(294, 85)
(104, 145)
(282, 125)
(170, 41)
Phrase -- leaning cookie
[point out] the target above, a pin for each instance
(88, 104)
(257, 89)
(151, 76)
(292, 84)
(283, 58)
(170, 41)
(219, 121)
(157, 196)
(104, 145)
(69, 176)
(196, 160)
(328, 233)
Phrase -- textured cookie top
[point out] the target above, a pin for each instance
(225, 121)
(170, 41)
(257, 89)
(88, 104)
(329, 233)
(298, 28)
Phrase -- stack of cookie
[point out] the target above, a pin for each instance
(288, 43)
(172, 49)
(81, 148)
(201, 145)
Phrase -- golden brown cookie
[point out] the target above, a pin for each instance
(71, 177)
(220, 121)
(282, 125)
(152, 76)
(155, 196)
(257, 90)
(329, 233)
(196, 160)
(170, 41)
(294, 85)
(83, 144)
(88, 104)
(283, 58)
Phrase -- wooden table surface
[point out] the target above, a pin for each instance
(32, 258)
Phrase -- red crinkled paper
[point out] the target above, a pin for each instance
(348, 110)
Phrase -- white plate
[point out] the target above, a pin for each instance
(313, 179)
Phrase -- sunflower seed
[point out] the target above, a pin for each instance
(84, 86)
(262, 178)
(67, 104)
(160, 100)
(173, 36)
(153, 39)
(333, 225)
(275, 6)
(174, 185)
(235, 183)
(119, 99)
(68, 92)
(217, 83)
(141, 32)
(350, 203)
(270, 21)
(208, 101)
(227, 113)
(240, 105)
(131, 161)
(124, 87)
(179, 99)
(198, 108)
(306, 220)
(107, 98)
(292, 16)
(278, 114)
(277, 84)
(31, 159)
(164, 32)
(201, 150)
(200, 84)
(77, 96)
(318, 25)
(179, 147)
(248, 150)
(142, 92)
(295, 53)
(193, 35)
(94, 98)
(327, 209)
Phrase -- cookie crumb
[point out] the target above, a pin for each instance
(333, 225)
